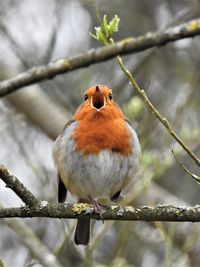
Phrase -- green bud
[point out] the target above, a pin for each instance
(94, 36)
(105, 26)
(113, 25)
(100, 35)
(104, 33)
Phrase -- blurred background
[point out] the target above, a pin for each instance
(34, 32)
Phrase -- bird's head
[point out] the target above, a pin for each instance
(98, 97)
(98, 103)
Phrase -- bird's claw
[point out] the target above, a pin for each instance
(98, 208)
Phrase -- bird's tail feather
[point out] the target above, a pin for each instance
(82, 232)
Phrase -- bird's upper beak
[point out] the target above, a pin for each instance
(98, 100)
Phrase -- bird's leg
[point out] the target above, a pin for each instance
(98, 208)
(116, 196)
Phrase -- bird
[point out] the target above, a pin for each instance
(96, 155)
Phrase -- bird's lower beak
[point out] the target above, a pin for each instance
(98, 100)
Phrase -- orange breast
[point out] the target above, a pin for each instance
(102, 130)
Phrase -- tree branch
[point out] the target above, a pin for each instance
(126, 46)
(13, 183)
(36, 208)
(168, 213)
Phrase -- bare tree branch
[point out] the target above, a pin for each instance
(126, 46)
(36, 208)
(168, 213)
(13, 183)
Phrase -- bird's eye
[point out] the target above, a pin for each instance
(110, 96)
(85, 97)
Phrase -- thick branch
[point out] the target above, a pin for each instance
(36, 208)
(126, 46)
(13, 183)
(73, 211)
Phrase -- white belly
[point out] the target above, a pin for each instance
(96, 176)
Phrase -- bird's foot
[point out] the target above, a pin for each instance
(98, 208)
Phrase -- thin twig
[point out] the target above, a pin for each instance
(194, 176)
(162, 119)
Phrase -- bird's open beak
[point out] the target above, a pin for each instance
(98, 100)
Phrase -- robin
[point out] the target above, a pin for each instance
(96, 155)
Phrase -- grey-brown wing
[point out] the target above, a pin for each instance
(128, 121)
(67, 124)
(62, 191)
